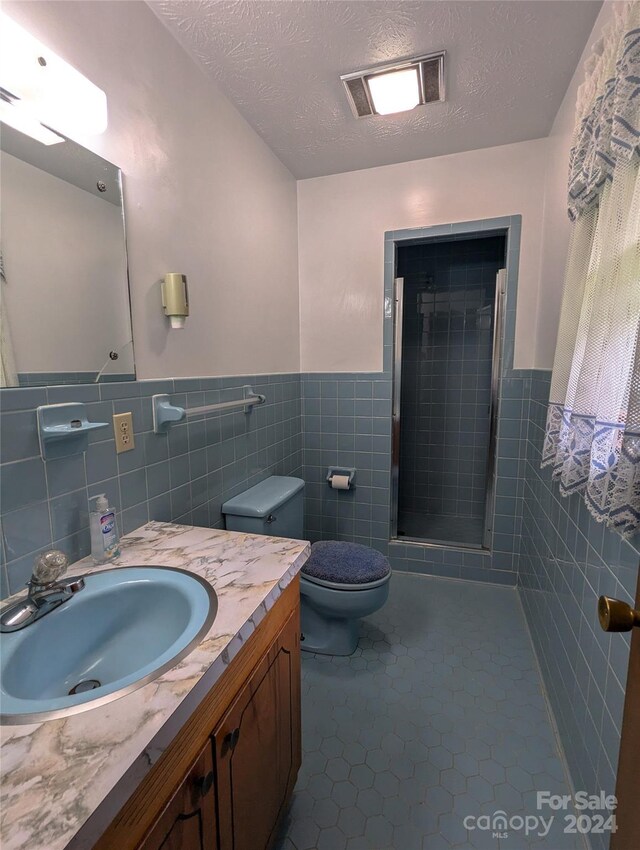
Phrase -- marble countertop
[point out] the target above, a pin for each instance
(64, 780)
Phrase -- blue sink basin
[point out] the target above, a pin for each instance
(127, 627)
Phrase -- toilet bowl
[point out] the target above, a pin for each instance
(339, 584)
(330, 615)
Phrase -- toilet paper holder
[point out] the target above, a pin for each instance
(349, 472)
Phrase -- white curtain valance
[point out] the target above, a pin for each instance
(593, 422)
(607, 125)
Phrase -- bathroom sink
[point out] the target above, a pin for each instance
(124, 629)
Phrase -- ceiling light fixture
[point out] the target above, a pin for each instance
(36, 81)
(395, 91)
(396, 87)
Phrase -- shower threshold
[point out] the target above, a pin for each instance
(465, 532)
(432, 543)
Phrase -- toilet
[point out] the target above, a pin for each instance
(340, 583)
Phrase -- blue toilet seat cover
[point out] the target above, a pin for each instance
(345, 563)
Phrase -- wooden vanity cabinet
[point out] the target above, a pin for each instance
(228, 776)
(257, 748)
(189, 821)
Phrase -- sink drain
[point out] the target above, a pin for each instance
(85, 685)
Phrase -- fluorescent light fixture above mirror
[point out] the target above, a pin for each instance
(40, 84)
(397, 86)
(20, 118)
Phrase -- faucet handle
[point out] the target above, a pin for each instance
(48, 567)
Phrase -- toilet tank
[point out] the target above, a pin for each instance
(274, 506)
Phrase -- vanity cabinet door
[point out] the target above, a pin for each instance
(257, 747)
(189, 820)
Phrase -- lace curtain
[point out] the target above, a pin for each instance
(593, 423)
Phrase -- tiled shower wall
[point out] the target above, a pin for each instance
(567, 560)
(449, 293)
(184, 475)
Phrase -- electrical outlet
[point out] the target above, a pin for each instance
(123, 430)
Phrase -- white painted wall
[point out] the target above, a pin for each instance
(556, 226)
(66, 290)
(203, 194)
(341, 224)
(342, 220)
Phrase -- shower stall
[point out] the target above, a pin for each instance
(448, 334)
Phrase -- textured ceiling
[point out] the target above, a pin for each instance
(508, 65)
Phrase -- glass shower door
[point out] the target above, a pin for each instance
(447, 352)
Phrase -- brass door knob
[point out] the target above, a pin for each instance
(617, 616)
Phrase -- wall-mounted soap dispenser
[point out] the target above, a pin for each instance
(175, 299)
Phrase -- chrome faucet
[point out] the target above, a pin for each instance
(46, 592)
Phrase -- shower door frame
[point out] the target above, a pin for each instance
(398, 317)
(497, 367)
(494, 404)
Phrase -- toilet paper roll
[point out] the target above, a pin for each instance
(340, 482)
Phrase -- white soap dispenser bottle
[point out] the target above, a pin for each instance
(104, 531)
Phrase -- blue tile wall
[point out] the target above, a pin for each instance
(449, 295)
(183, 476)
(339, 430)
(347, 421)
(567, 560)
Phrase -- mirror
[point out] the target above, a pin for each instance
(64, 294)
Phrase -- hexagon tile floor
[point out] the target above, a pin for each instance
(438, 715)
